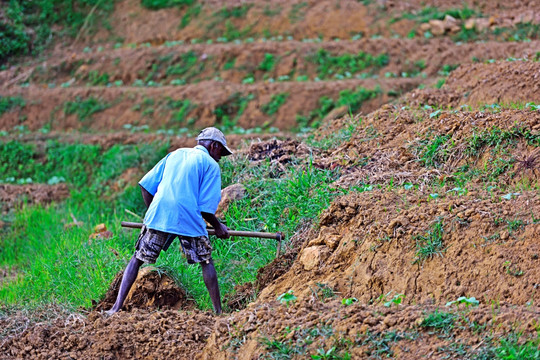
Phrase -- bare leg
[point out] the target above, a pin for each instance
(130, 274)
(210, 280)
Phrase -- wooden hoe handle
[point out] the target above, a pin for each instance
(276, 236)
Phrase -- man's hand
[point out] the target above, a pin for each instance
(222, 231)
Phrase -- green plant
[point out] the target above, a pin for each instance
(84, 109)
(228, 113)
(276, 101)
(162, 4)
(268, 63)
(287, 298)
(396, 300)
(431, 243)
(439, 320)
(464, 300)
(433, 152)
(351, 64)
(191, 12)
(296, 14)
(348, 301)
(182, 109)
(512, 349)
(9, 103)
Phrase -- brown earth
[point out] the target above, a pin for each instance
(151, 290)
(475, 192)
(300, 19)
(14, 195)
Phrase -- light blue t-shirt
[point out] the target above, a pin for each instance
(184, 183)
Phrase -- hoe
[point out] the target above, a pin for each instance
(276, 236)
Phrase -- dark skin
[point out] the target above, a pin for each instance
(215, 149)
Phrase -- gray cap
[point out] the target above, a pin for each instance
(212, 133)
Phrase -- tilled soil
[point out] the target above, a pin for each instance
(455, 168)
(138, 334)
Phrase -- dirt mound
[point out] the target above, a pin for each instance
(475, 85)
(307, 329)
(373, 243)
(151, 290)
(138, 334)
(12, 195)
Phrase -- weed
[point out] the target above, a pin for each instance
(186, 67)
(329, 65)
(97, 79)
(275, 103)
(430, 244)
(163, 4)
(9, 103)
(441, 321)
(323, 291)
(84, 109)
(511, 348)
(268, 63)
(287, 298)
(349, 301)
(191, 12)
(512, 269)
(380, 343)
(465, 301)
(182, 109)
(433, 152)
(227, 114)
(234, 12)
(296, 14)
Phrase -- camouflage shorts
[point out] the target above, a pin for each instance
(151, 242)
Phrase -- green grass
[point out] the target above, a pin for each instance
(430, 244)
(276, 101)
(511, 348)
(268, 63)
(84, 109)
(163, 4)
(432, 13)
(347, 64)
(58, 265)
(61, 266)
(228, 113)
(10, 103)
(352, 99)
(439, 320)
(31, 26)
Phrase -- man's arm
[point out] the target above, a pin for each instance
(147, 197)
(221, 230)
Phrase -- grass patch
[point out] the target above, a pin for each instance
(352, 99)
(428, 13)
(10, 103)
(31, 26)
(439, 320)
(84, 109)
(228, 113)
(347, 64)
(276, 101)
(59, 265)
(430, 244)
(163, 4)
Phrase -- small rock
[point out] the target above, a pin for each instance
(437, 27)
(228, 195)
(310, 257)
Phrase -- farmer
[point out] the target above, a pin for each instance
(180, 191)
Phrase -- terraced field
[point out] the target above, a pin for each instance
(395, 144)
